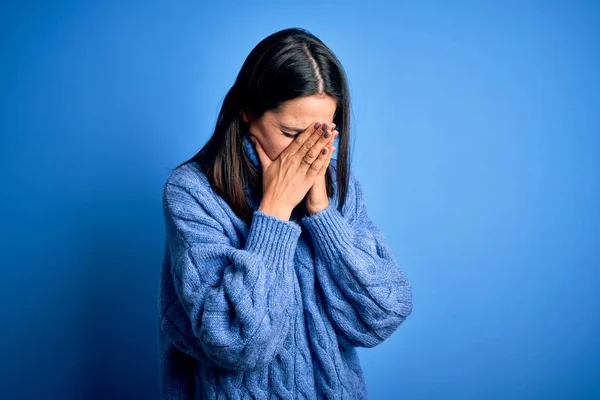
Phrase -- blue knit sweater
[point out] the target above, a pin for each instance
(274, 309)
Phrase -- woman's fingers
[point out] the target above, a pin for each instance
(320, 145)
(310, 135)
(312, 147)
(320, 164)
(327, 161)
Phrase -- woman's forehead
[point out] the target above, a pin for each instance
(299, 113)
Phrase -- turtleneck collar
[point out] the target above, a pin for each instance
(251, 150)
(253, 156)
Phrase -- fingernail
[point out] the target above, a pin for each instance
(326, 134)
(324, 127)
(317, 125)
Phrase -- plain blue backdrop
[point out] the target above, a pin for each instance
(476, 138)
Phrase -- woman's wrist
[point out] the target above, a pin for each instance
(275, 210)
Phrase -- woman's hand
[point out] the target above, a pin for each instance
(287, 179)
(317, 199)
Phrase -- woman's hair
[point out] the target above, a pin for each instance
(286, 65)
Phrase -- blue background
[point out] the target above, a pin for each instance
(476, 139)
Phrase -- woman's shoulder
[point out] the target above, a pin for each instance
(188, 175)
(190, 179)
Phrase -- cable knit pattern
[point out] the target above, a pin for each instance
(273, 309)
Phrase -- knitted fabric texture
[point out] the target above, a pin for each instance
(273, 309)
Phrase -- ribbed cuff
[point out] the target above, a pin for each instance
(330, 231)
(273, 237)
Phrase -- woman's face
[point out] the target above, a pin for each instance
(275, 130)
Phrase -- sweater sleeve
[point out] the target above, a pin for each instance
(234, 297)
(367, 295)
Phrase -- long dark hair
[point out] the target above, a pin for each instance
(287, 64)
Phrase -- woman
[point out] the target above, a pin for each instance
(273, 272)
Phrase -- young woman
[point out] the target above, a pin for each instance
(273, 272)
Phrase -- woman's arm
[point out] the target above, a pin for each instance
(236, 297)
(367, 295)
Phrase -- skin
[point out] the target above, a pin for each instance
(295, 116)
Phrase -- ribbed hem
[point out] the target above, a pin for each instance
(330, 231)
(273, 237)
